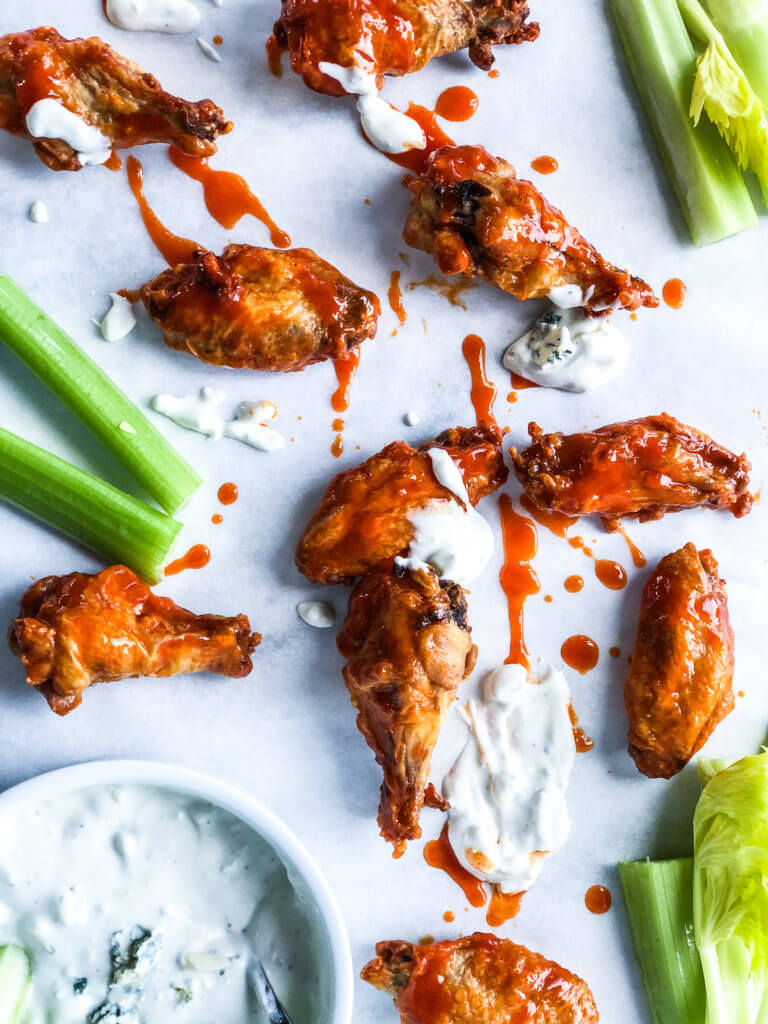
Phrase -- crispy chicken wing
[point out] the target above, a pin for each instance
(641, 468)
(362, 519)
(679, 682)
(107, 91)
(77, 630)
(260, 309)
(478, 979)
(408, 646)
(476, 217)
(394, 37)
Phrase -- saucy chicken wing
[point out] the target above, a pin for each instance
(363, 517)
(408, 646)
(679, 682)
(641, 468)
(104, 90)
(77, 630)
(478, 979)
(394, 37)
(476, 217)
(260, 309)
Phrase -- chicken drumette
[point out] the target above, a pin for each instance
(478, 979)
(476, 217)
(77, 630)
(408, 647)
(394, 37)
(106, 91)
(363, 519)
(679, 682)
(260, 309)
(641, 468)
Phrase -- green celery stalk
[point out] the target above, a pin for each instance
(76, 379)
(659, 901)
(710, 189)
(744, 24)
(15, 974)
(114, 524)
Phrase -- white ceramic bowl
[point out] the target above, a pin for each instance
(301, 866)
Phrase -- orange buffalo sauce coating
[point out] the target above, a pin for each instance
(197, 557)
(173, 248)
(483, 392)
(458, 103)
(274, 57)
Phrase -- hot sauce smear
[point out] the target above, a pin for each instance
(173, 248)
(197, 557)
(458, 103)
(483, 392)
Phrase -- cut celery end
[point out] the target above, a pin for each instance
(659, 900)
(713, 197)
(116, 525)
(15, 975)
(107, 412)
(744, 26)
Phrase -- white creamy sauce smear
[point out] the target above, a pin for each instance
(201, 413)
(449, 536)
(38, 212)
(507, 788)
(120, 319)
(136, 859)
(171, 16)
(319, 614)
(48, 119)
(208, 50)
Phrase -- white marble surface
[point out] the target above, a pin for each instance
(287, 733)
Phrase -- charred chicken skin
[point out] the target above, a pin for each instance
(641, 468)
(478, 979)
(394, 37)
(679, 682)
(77, 630)
(362, 519)
(260, 309)
(476, 217)
(105, 90)
(408, 646)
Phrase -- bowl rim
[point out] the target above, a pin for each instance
(114, 771)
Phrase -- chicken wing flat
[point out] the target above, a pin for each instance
(679, 682)
(394, 37)
(105, 90)
(476, 217)
(478, 979)
(641, 468)
(362, 519)
(408, 646)
(77, 630)
(260, 309)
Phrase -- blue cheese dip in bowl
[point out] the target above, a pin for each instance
(141, 891)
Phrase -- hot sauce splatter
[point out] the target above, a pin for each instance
(582, 742)
(674, 293)
(345, 374)
(503, 907)
(638, 558)
(483, 393)
(598, 899)
(580, 652)
(416, 159)
(449, 916)
(438, 853)
(614, 652)
(494, 73)
(457, 103)
(450, 290)
(228, 493)
(275, 57)
(197, 557)
(396, 297)
(227, 195)
(521, 383)
(573, 584)
(517, 578)
(173, 248)
(544, 164)
(217, 519)
(610, 574)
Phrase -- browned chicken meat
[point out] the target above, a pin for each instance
(478, 979)
(106, 91)
(408, 646)
(679, 682)
(394, 37)
(476, 217)
(363, 518)
(642, 468)
(260, 309)
(77, 630)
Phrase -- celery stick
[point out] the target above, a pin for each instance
(711, 191)
(659, 900)
(74, 377)
(114, 524)
(15, 974)
(744, 24)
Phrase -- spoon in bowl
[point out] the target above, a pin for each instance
(261, 985)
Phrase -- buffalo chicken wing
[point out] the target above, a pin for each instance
(261, 309)
(408, 647)
(477, 218)
(106, 91)
(478, 979)
(641, 468)
(77, 630)
(394, 37)
(679, 682)
(363, 518)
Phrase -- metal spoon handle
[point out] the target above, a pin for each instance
(263, 988)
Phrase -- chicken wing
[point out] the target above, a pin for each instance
(476, 217)
(679, 682)
(394, 37)
(363, 517)
(478, 979)
(408, 646)
(105, 90)
(260, 309)
(641, 468)
(77, 630)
